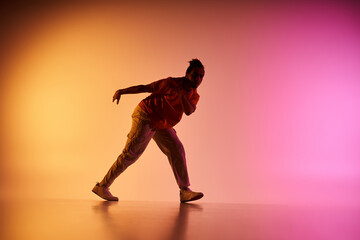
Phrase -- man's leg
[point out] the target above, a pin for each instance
(171, 146)
(138, 139)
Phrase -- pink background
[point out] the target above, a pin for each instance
(278, 117)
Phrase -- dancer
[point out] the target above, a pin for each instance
(154, 118)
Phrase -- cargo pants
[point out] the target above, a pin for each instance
(138, 138)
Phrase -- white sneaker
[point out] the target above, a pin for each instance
(187, 195)
(104, 193)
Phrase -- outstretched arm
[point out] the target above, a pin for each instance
(131, 90)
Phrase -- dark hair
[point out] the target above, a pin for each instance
(194, 63)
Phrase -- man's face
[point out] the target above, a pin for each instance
(196, 76)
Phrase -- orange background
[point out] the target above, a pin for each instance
(277, 119)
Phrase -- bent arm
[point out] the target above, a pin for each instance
(187, 106)
(132, 90)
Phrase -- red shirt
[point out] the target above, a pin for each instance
(164, 104)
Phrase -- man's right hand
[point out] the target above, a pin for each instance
(117, 96)
(132, 90)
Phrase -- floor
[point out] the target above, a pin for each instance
(81, 219)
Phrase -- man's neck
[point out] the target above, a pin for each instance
(189, 85)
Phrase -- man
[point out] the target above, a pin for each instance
(154, 118)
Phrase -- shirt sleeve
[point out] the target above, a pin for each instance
(160, 86)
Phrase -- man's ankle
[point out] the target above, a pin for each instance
(102, 184)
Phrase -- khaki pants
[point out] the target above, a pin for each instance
(138, 139)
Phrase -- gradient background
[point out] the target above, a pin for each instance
(277, 121)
